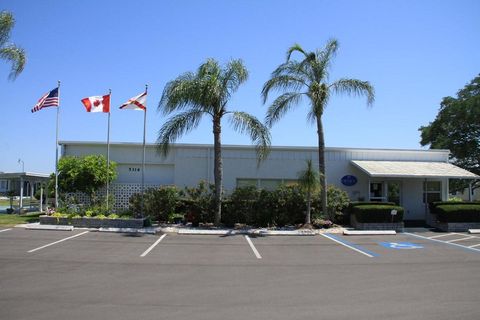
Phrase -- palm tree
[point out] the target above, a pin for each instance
(9, 51)
(308, 179)
(206, 93)
(309, 78)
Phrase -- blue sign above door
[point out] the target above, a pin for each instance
(349, 180)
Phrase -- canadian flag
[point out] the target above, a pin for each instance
(97, 103)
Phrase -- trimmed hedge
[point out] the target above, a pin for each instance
(350, 207)
(376, 213)
(455, 212)
(433, 205)
(361, 203)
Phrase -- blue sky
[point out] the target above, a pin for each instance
(413, 52)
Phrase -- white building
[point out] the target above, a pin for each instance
(403, 176)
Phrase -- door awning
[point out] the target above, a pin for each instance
(412, 169)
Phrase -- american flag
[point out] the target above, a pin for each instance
(49, 99)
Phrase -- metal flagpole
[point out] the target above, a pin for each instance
(108, 147)
(143, 157)
(56, 151)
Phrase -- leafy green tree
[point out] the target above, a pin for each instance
(86, 174)
(457, 128)
(206, 93)
(309, 78)
(9, 51)
(309, 181)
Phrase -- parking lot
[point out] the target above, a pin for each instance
(94, 275)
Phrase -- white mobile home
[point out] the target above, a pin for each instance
(407, 177)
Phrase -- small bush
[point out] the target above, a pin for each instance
(199, 202)
(159, 203)
(240, 207)
(113, 216)
(377, 213)
(454, 212)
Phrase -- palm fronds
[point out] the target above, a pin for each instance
(16, 56)
(354, 87)
(10, 52)
(258, 132)
(177, 126)
(281, 106)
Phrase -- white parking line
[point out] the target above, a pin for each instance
(5, 230)
(253, 247)
(440, 241)
(460, 239)
(442, 235)
(348, 245)
(152, 246)
(475, 245)
(51, 244)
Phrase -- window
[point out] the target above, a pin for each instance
(432, 191)
(267, 184)
(376, 191)
(246, 183)
(3, 185)
(270, 184)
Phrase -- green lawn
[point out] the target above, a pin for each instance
(9, 220)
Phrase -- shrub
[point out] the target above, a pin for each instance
(159, 203)
(198, 203)
(291, 206)
(113, 216)
(240, 206)
(376, 213)
(454, 212)
(433, 205)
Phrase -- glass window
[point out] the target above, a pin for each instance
(433, 186)
(376, 191)
(432, 191)
(270, 184)
(246, 183)
(288, 182)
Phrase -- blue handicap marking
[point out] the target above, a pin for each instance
(400, 245)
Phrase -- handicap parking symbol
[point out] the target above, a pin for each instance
(400, 245)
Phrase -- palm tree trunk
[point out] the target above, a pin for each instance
(218, 169)
(321, 165)
(309, 206)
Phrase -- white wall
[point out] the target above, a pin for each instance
(186, 165)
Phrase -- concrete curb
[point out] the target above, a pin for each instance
(35, 226)
(129, 230)
(188, 231)
(300, 232)
(254, 232)
(220, 232)
(368, 232)
(474, 231)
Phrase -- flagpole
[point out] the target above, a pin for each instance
(56, 151)
(108, 147)
(143, 157)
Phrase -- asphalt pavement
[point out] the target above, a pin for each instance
(92, 275)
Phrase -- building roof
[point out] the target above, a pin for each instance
(24, 175)
(250, 147)
(413, 169)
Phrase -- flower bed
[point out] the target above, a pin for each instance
(87, 222)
